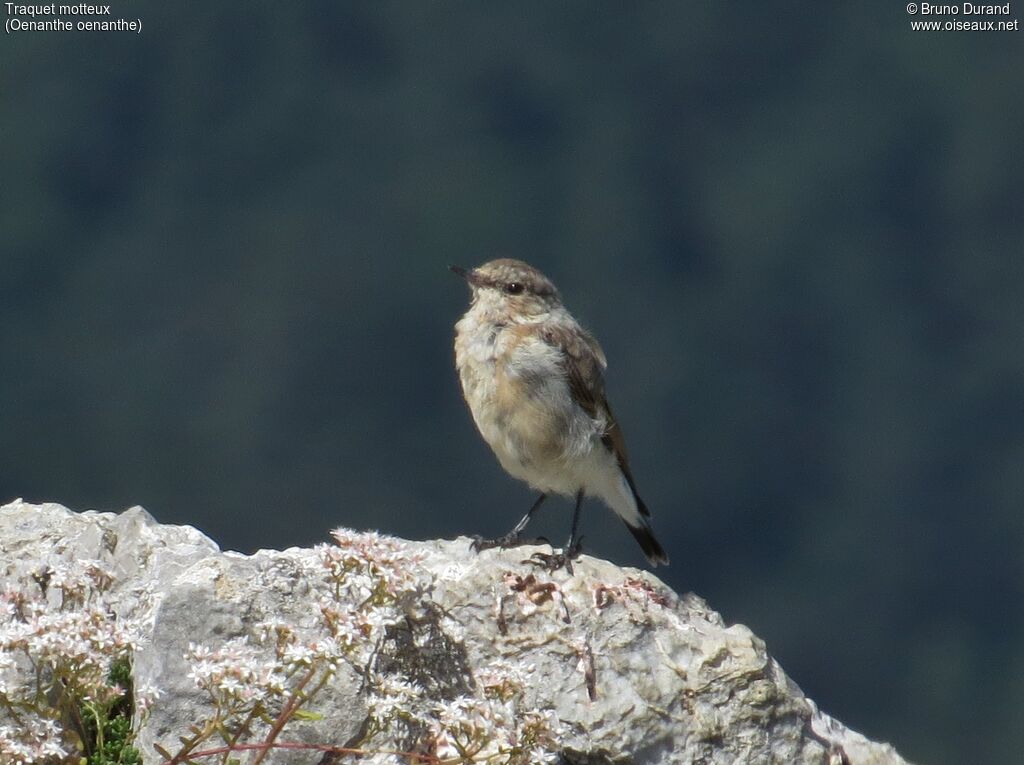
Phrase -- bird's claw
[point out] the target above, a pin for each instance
(508, 540)
(555, 560)
(479, 543)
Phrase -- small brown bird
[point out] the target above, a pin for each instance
(534, 382)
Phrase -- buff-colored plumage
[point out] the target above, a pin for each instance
(534, 381)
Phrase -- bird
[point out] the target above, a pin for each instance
(533, 379)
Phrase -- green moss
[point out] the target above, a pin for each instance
(117, 746)
(110, 731)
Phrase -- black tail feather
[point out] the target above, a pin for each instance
(645, 538)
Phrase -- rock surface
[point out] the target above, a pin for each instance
(604, 666)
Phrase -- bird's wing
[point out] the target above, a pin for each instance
(585, 363)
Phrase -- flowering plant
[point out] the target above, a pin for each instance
(368, 583)
(65, 657)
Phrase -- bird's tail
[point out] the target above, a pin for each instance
(641, 530)
(644, 536)
(634, 514)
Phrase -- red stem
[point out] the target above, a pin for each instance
(413, 756)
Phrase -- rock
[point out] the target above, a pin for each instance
(425, 647)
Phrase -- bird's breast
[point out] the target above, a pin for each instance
(516, 389)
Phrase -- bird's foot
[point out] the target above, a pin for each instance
(558, 559)
(512, 539)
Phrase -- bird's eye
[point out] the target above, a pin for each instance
(514, 288)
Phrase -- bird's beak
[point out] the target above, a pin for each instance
(468, 275)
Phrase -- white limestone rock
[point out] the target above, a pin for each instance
(621, 667)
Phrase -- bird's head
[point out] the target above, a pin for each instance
(511, 288)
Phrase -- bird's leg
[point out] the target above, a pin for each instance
(573, 547)
(512, 538)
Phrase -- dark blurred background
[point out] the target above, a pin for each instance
(796, 228)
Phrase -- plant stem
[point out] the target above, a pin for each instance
(243, 728)
(285, 715)
(413, 756)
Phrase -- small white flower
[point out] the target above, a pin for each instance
(146, 695)
(298, 654)
(230, 685)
